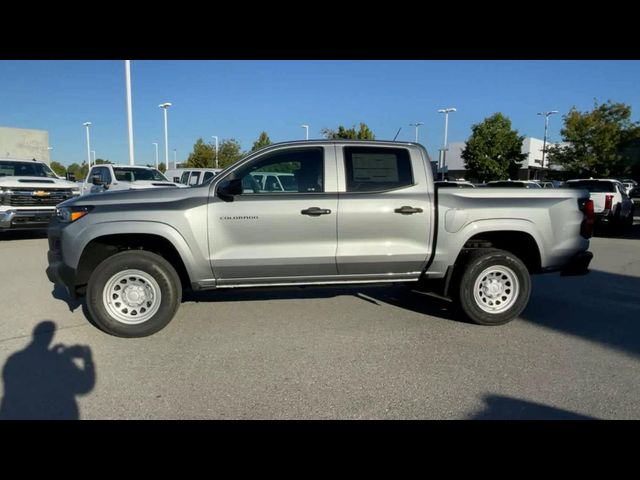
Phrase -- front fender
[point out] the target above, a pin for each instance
(75, 240)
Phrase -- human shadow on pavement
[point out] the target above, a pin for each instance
(498, 407)
(41, 382)
(600, 307)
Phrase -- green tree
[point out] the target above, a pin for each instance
(203, 155)
(58, 168)
(599, 143)
(494, 150)
(101, 161)
(229, 152)
(363, 133)
(262, 141)
(162, 167)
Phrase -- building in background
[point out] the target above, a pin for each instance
(24, 144)
(532, 168)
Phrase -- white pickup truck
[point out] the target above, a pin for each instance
(107, 176)
(29, 193)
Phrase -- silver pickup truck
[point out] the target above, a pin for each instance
(361, 212)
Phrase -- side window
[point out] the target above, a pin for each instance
(106, 175)
(184, 178)
(195, 176)
(304, 168)
(371, 169)
(207, 176)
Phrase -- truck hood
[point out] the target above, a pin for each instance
(35, 182)
(140, 196)
(140, 184)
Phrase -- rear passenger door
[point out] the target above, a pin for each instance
(384, 211)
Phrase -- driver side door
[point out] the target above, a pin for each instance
(264, 236)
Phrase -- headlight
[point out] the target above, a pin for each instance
(71, 214)
(75, 191)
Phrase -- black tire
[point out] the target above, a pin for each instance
(476, 262)
(154, 266)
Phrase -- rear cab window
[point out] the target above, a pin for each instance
(375, 169)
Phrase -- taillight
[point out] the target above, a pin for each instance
(586, 227)
(608, 201)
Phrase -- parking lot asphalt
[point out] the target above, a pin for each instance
(375, 352)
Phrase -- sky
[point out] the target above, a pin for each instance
(239, 99)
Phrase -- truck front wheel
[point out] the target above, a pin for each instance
(493, 287)
(133, 294)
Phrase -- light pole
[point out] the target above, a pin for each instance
(306, 128)
(446, 112)
(416, 125)
(88, 124)
(164, 106)
(93, 154)
(175, 165)
(215, 137)
(127, 68)
(154, 143)
(546, 126)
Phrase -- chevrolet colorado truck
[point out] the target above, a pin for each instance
(29, 193)
(362, 212)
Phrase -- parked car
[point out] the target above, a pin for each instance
(629, 184)
(513, 184)
(111, 177)
(634, 195)
(453, 184)
(363, 212)
(29, 193)
(544, 184)
(612, 205)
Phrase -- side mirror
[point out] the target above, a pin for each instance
(71, 177)
(230, 188)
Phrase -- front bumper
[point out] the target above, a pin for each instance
(58, 271)
(25, 219)
(578, 265)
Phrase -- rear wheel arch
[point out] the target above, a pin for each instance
(519, 243)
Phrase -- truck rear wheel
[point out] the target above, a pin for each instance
(493, 287)
(133, 294)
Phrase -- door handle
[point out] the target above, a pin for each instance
(315, 211)
(407, 210)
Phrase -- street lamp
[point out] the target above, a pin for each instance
(88, 124)
(446, 112)
(93, 154)
(416, 125)
(306, 128)
(175, 165)
(127, 69)
(215, 137)
(154, 143)
(546, 126)
(164, 106)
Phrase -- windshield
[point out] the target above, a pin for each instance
(593, 186)
(124, 174)
(25, 169)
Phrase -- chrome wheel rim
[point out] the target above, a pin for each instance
(132, 296)
(496, 289)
